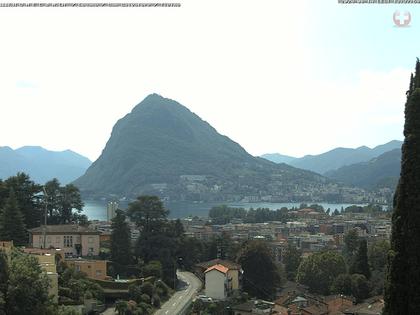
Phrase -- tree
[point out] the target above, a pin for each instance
(27, 196)
(154, 269)
(319, 270)
(292, 259)
(359, 287)
(378, 253)
(261, 275)
(146, 211)
(402, 295)
(61, 201)
(121, 307)
(351, 244)
(360, 264)
(27, 291)
(120, 239)
(12, 226)
(4, 279)
(342, 284)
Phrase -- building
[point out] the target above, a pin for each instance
(47, 263)
(234, 271)
(254, 307)
(6, 246)
(46, 259)
(218, 285)
(73, 239)
(94, 269)
(111, 208)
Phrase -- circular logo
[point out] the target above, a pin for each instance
(402, 19)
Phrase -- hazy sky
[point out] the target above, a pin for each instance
(295, 77)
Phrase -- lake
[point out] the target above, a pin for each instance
(96, 210)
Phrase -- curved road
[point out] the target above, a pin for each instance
(183, 296)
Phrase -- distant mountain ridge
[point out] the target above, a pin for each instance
(380, 172)
(162, 148)
(41, 164)
(339, 157)
(278, 158)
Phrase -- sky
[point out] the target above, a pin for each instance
(293, 76)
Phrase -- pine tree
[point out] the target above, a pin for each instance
(120, 240)
(360, 264)
(11, 222)
(402, 295)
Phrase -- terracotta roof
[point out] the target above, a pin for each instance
(64, 228)
(217, 267)
(226, 263)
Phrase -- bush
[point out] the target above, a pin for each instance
(156, 301)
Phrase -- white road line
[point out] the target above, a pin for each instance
(174, 304)
(166, 312)
(180, 297)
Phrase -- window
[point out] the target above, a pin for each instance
(90, 239)
(77, 267)
(68, 241)
(99, 272)
(57, 239)
(90, 253)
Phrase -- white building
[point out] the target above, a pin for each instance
(218, 282)
(110, 210)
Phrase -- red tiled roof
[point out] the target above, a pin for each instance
(217, 267)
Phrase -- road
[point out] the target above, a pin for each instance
(177, 303)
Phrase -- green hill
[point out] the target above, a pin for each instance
(339, 157)
(379, 172)
(163, 148)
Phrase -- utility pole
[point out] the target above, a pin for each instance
(44, 230)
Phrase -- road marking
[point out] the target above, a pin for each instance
(166, 312)
(174, 304)
(180, 297)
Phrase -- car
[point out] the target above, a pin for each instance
(205, 298)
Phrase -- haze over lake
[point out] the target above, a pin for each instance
(96, 210)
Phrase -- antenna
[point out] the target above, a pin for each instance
(44, 230)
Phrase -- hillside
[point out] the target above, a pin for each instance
(379, 172)
(278, 158)
(163, 148)
(41, 164)
(339, 157)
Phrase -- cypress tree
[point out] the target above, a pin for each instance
(12, 227)
(402, 295)
(360, 264)
(120, 240)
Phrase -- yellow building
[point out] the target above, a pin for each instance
(47, 263)
(94, 269)
(6, 246)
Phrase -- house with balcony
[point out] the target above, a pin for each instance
(74, 240)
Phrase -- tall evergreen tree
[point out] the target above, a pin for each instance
(120, 240)
(292, 259)
(28, 198)
(402, 295)
(261, 276)
(12, 226)
(360, 264)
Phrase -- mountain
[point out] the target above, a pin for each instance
(382, 171)
(339, 157)
(162, 148)
(41, 164)
(278, 158)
